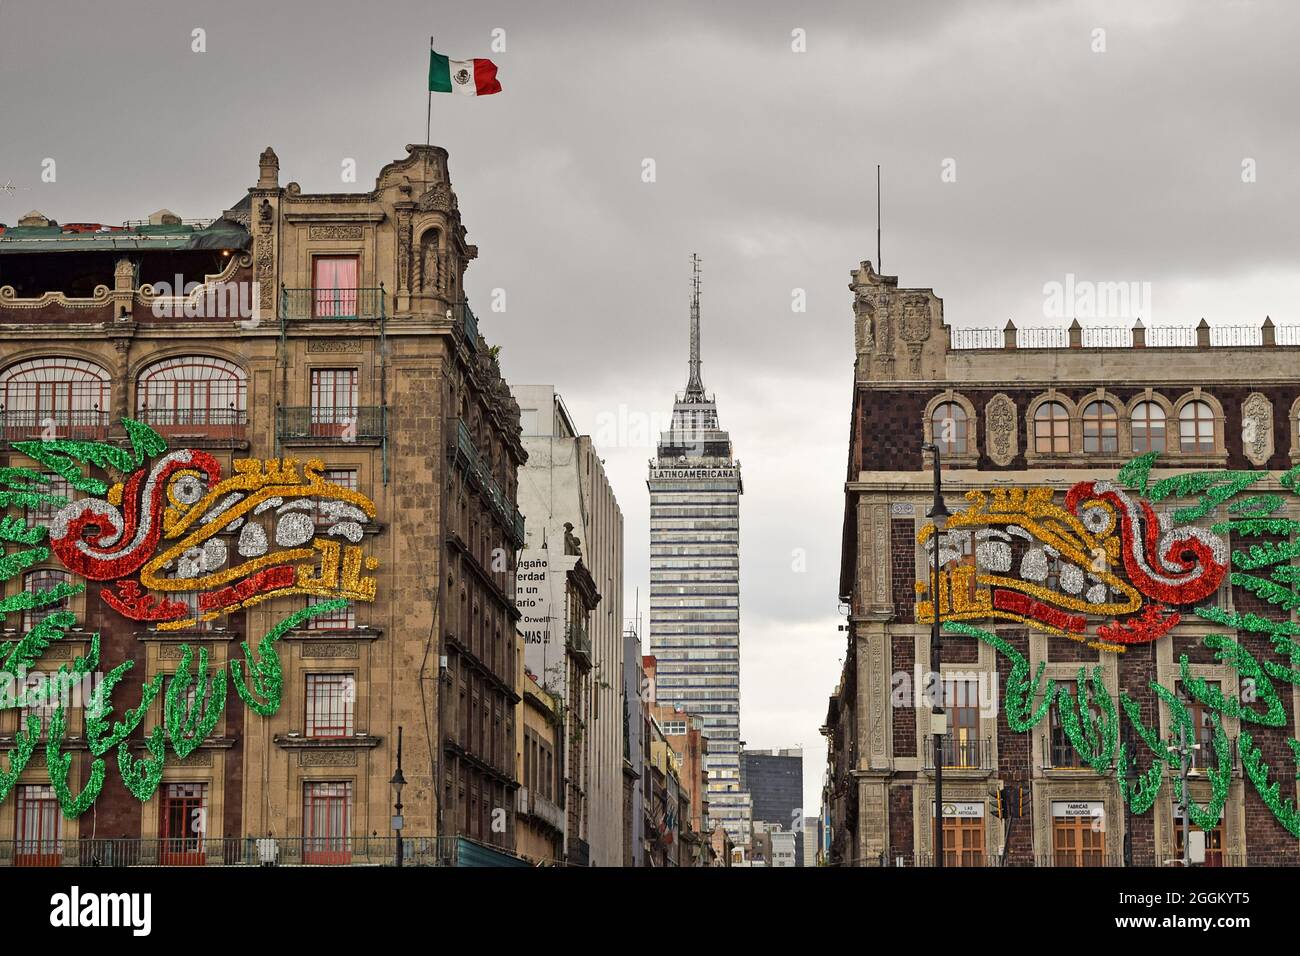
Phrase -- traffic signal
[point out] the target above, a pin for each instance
(1011, 802)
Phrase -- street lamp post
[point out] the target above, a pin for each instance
(938, 514)
(398, 782)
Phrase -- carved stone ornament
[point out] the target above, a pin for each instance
(1257, 428)
(335, 232)
(1001, 429)
(915, 326)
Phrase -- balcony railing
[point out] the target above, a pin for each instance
(1060, 754)
(22, 424)
(332, 304)
(578, 639)
(961, 753)
(471, 324)
(465, 454)
(216, 423)
(232, 851)
(530, 803)
(331, 425)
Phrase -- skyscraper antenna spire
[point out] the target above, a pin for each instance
(694, 384)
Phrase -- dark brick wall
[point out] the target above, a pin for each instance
(900, 821)
(1137, 669)
(902, 560)
(960, 649)
(904, 654)
(1063, 649)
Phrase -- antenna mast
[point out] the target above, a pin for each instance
(694, 384)
(880, 266)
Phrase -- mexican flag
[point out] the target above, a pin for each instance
(467, 77)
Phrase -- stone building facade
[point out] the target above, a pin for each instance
(1035, 428)
(351, 345)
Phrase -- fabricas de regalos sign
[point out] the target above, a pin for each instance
(165, 528)
(1170, 567)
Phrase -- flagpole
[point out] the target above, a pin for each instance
(428, 120)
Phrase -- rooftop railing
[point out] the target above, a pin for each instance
(1077, 336)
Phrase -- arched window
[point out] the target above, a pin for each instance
(1196, 427)
(1100, 428)
(44, 579)
(69, 397)
(1051, 429)
(193, 394)
(1148, 427)
(948, 428)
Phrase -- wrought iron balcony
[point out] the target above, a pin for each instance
(961, 753)
(329, 305)
(366, 423)
(84, 425)
(213, 423)
(470, 323)
(463, 451)
(578, 640)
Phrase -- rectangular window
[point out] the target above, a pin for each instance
(331, 700)
(333, 401)
(56, 486)
(184, 824)
(327, 822)
(961, 749)
(340, 619)
(38, 827)
(1202, 728)
(1078, 840)
(1063, 755)
(344, 478)
(334, 287)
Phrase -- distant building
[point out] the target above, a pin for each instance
(774, 781)
(539, 827)
(695, 489)
(634, 750)
(809, 857)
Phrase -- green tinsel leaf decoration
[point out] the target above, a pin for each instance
(1289, 480)
(1251, 526)
(1207, 818)
(65, 676)
(64, 456)
(24, 746)
(1094, 735)
(58, 764)
(188, 726)
(33, 644)
(1141, 797)
(99, 709)
(22, 479)
(17, 531)
(1237, 657)
(1135, 474)
(1268, 590)
(1257, 506)
(1260, 556)
(143, 775)
(1252, 760)
(1217, 487)
(1022, 716)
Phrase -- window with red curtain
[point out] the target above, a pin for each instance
(334, 287)
(38, 827)
(333, 400)
(330, 704)
(327, 822)
(184, 824)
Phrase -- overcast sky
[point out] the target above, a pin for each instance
(1117, 165)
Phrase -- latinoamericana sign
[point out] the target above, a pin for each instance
(1111, 568)
(171, 543)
